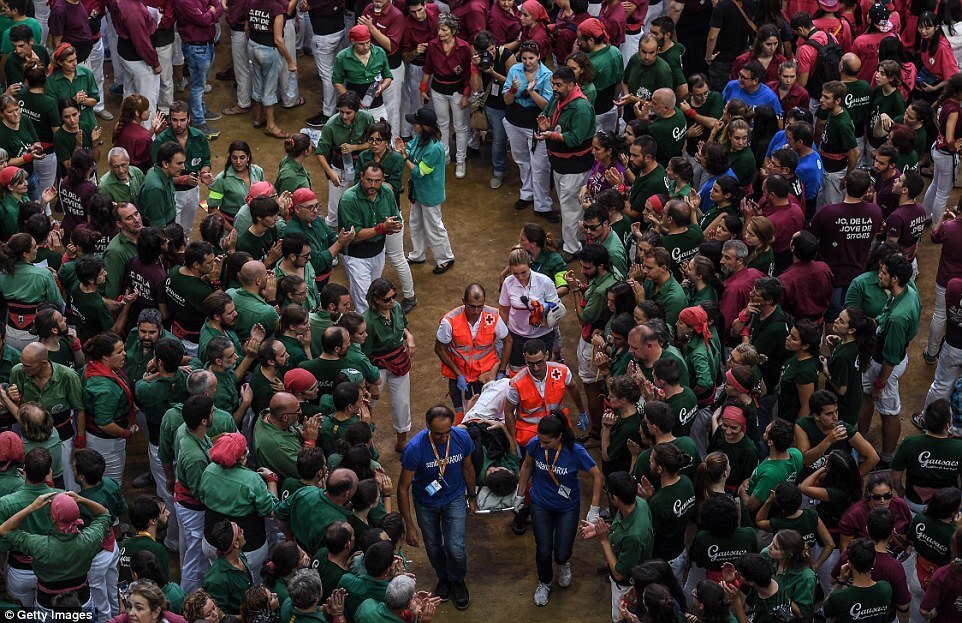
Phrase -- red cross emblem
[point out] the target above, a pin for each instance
(556, 374)
(489, 319)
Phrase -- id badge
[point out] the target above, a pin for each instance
(433, 487)
(495, 88)
(564, 492)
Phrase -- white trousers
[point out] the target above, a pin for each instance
(889, 402)
(22, 585)
(943, 176)
(46, 168)
(242, 67)
(630, 47)
(165, 98)
(411, 96)
(95, 63)
(288, 96)
(400, 388)
(110, 34)
(568, 185)
(427, 229)
(324, 48)
(66, 454)
(140, 78)
(193, 563)
(450, 113)
(533, 167)
(172, 541)
(334, 194)
(114, 452)
(361, 271)
(394, 249)
(617, 591)
(946, 372)
(393, 97)
(102, 578)
(19, 338)
(304, 30)
(937, 323)
(186, 202)
(41, 13)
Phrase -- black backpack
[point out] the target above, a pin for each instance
(825, 68)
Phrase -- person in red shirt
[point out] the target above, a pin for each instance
(420, 27)
(565, 29)
(807, 282)
(504, 23)
(135, 27)
(827, 19)
(739, 280)
(935, 55)
(790, 93)
(613, 16)
(448, 67)
(866, 45)
(472, 16)
(534, 26)
(764, 50)
(786, 216)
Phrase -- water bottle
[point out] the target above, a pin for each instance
(368, 98)
(291, 85)
(347, 162)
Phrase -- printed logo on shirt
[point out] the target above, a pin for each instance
(858, 613)
(855, 228)
(454, 458)
(556, 374)
(955, 315)
(852, 100)
(687, 415)
(927, 462)
(716, 554)
(681, 507)
(935, 544)
(678, 132)
(557, 469)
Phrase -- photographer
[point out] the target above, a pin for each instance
(493, 62)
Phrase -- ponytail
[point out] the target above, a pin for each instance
(13, 251)
(556, 425)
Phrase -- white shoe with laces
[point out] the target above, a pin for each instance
(564, 575)
(541, 594)
(459, 170)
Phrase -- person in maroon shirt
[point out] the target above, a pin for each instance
(171, 63)
(448, 67)
(472, 16)
(135, 27)
(807, 282)
(146, 271)
(947, 233)
(565, 29)
(613, 16)
(884, 176)
(739, 280)
(237, 20)
(786, 216)
(881, 528)
(196, 21)
(790, 93)
(878, 494)
(534, 26)
(68, 22)
(504, 23)
(941, 602)
(420, 28)
(386, 24)
(845, 232)
(905, 224)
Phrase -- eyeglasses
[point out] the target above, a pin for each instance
(297, 413)
(590, 227)
(745, 78)
(305, 256)
(876, 497)
(302, 293)
(536, 364)
(313, 207)
(375, 140)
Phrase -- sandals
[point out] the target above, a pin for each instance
(277, 134)
(259, 124)
(236, 110)
(299, 102)
(440, 269)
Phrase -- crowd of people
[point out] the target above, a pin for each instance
(740, 192)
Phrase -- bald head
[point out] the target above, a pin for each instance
(850, 64)
(341, 485)
(202, 383)
(34, 353)
(664, 97)
(283, 405)
(251, 272)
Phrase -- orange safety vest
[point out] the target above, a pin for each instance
(473, 355)
(532, 406)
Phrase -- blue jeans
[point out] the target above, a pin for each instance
(838, 302)
(554, 537)
(199, 59)
(265, 67)
(442, 528)
(499, 140)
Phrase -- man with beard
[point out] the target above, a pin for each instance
(193, 139)
(187, 287)
(609, 68)
(646, 176)
(645, 73)
(897, 326)
(122, 182)
(739, 280)
(141, 341)
(597, 230)
(122, 247)
(567, 127)
(61, 340)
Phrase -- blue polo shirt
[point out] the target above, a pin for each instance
(705, 192)
(544, 491)
(810, 171)
(764, 96)
(419, 458)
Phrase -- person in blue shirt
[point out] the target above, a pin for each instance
(437, 472)
(800, 136)
(551, 465)
(750, 89)
(780, 140)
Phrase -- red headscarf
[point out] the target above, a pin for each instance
(65, 514)
(697, 318)
(736, 415)
(228, 450)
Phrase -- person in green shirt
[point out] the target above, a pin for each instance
(856, 596)
(26, 285)
(594, 222)
(261, 239)
(645, 175)
(306, 603)
(609, 66)
(295, 260)
(660, 285)
(668, 124)
(279, 438)
(591, 307)
(350, 408)
(645, 73)
(291, 173)
(898, 324)
(719, 540)
(123, 181)
(672, 504)
(230, 189)
(122, 247)
(343, 136)
(324, 243)
(628, 540)
(666, 376)
(147, 516)
(306, 513)
(64, 555)
(820, 433)
(800, 371)
(250, 301)
(21, 46)
(838, 146)
(229, 489)
(928, 462)
(848, 346)
(89, 311)
(38, 432)
(72, 81)
(764, 595)
(230, 575)
(165, 384)
(701, 356)
(194, 139)
(886, 99)
(372, 584)
(783, 463)
(670, 51)
(11, 462)
(156, 199)
(71, 135)
(400, 598)
(620, 425)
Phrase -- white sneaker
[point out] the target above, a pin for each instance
(564, 575)
(459, 170)
(541, 594)
(496, 181)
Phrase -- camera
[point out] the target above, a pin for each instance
(486, 60)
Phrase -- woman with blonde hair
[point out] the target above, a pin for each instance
(758, 234)
(146, 603)
(523, 293)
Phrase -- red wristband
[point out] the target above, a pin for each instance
(270, 478)
(879, 383)
(308, 443)
(27, 157)
(126, 434)
(80, 441)
(744, 315)
(380, 229)
(76, 345)
(691, 113)
(424, 87)
(513, 90)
